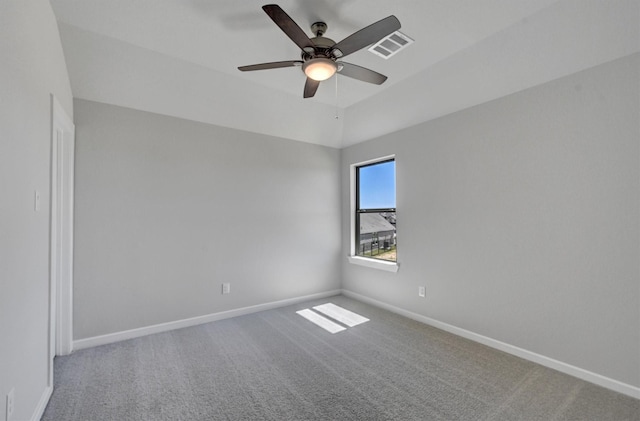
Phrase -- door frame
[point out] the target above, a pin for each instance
(61, 234)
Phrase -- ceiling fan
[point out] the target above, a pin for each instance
(320, 55)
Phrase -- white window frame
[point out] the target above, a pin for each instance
(385, 265)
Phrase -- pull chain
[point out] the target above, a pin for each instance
(337, 96)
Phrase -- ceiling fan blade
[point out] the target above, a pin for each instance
(310, 88)
(366, 36)
(273, 65)
(361, 73)
(289, 27)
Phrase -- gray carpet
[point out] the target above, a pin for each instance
(275, 365)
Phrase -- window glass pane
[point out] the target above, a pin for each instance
(377, 234)
(378, 186)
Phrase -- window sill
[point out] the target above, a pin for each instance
(374, 263)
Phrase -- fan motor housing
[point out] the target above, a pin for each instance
(322, 45)
(322, 42)
(322, 48)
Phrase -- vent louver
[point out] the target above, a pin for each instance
(391, 45)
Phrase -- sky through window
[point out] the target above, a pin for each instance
(378, 186)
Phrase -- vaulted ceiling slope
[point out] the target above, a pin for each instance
(180, 58)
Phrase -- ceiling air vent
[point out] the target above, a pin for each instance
(391, 44)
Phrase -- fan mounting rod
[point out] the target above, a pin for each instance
(319, 28)
(321, 45)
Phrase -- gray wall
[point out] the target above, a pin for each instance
(31, 68)
(521, 218)
(169, 209)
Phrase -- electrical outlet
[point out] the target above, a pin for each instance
(422, 292)
(226, 288)
(10, 402)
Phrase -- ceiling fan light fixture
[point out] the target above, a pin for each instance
(319, 69)
(320, 54)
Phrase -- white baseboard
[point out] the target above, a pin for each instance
(569, 369)
(42, 404)
(178, 324)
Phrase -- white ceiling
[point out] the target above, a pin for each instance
(180, 58)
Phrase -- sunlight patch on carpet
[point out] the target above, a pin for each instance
(321, 321)
(340, 314)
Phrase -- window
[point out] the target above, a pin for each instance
(375, 210)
